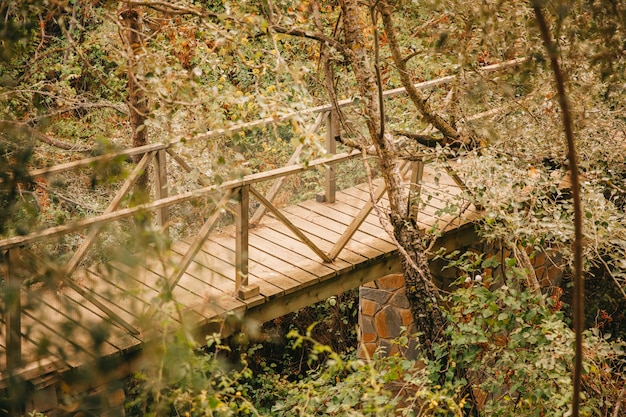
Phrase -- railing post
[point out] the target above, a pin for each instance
(417, 172)
(160, 184)
(242, 289)
(14, 311)
(13, 305)
(332, 131)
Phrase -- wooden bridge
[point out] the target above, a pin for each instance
(263, 266)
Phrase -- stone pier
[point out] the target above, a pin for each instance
(384, 313)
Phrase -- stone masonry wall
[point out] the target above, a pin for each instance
(384, 309)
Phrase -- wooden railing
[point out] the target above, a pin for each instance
(13, 248)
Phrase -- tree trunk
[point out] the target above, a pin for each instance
(137, 101)
(421, 293)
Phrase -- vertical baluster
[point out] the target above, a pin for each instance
(243, 290)
(417, 172)
(160, 184)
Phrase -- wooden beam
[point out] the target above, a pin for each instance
(160, 186)
(241, 236)
(13, 307)
(169, 201)
(417, 172)
(295, 301)
(332, 131)
(202, 180)
(65, 278)
(356, 223)
(83, 163)
(291, 226)
(196, 245)
(269, 120)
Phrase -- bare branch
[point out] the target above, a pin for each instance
(579, 298)
(320, 37)
(450, 134)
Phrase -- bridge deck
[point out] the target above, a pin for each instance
(289, 275)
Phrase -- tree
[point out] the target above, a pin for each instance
(183, 68)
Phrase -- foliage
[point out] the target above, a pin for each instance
(211, 65)
(515, 348)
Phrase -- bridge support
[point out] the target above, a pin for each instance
(384, 310)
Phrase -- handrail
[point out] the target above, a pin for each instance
(260, 122)
(169, 201)
(241, 188)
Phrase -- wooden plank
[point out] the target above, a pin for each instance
(357, 222)
(119, 338)
(275, 256)
(344, 262)
(372, 224)
(157, 281)
(66, 314)
(294, 229)
(340, 220)
(351, 204)
(321, 216)
(70, 351)
(113, 296)
(195, 288)
(220, 271)
(139, 278)
(260, 273)
(214, 263)
(222, 247)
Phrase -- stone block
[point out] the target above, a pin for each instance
(367, 350)
(368, 337)
(114, 412)
(380, 296)
(388, 323)
(399, 299)
(369, 307)
(388, 348)
(406, 317)
(391, 282)
(366, 324)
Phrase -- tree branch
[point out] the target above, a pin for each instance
(450, 134)
(579, 299)
(320, 37)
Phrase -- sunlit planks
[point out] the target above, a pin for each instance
(63, 327)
